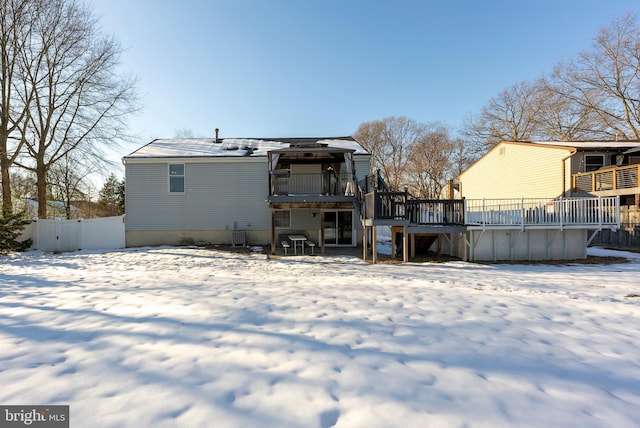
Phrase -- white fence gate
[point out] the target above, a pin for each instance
(72, 235)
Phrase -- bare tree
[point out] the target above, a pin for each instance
(16, 18)
(183, 133)
(434, 160)
(595, 96)
(419, 156)
(560, 119)
(23, 185)
(512, 115)
(388, 140)
(369, 134)
(66, 180)
(461, 158)
(80, 103)
(605, 80)
(429, 162)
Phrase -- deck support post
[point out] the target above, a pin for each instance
(472, 242)
(593, 235)
(412, 243)
(273, 231)
(393, 242)
(374, 247)
(365, 252)
(322, 231)
(405, 245)
(446, 237)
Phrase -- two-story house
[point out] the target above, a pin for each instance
(213, 190)
(555, 169)
(547, 198)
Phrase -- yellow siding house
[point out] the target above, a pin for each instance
(514, 170)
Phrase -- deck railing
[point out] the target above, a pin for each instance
(560, 213)
(399, 206)
(436, 211)
(311, 184)
(615, 178)
(596, 212)
(385, 205)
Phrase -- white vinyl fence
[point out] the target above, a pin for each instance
(80, 234)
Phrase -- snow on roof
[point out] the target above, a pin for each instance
(590, 144)
(233, 147)
(54, 204)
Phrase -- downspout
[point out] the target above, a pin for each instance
(564, 171)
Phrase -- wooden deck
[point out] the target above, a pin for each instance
(398, 209)
(446, 217)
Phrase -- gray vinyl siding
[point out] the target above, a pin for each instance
(362, 167)
(303, 219)
(218, 196)
(578, 161)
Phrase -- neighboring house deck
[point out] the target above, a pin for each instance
(554, 169)
(548, 171)
(595, 213)
(470, 219)
(621, 181)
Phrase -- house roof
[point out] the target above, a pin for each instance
(236, 147)
(633, 150)
(584, 145)
(54, 204)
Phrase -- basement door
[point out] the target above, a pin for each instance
(338, 228)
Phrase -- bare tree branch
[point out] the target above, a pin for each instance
(605, 80)
(388, 140)
(512, 115)
(15, 23)
(80, 102)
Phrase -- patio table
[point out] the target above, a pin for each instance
(297, 240)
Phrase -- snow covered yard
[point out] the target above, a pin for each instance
(190, 337)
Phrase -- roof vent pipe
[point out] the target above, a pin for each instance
(217, 139)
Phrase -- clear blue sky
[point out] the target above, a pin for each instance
(272, 68)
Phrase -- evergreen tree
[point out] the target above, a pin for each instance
(11, 227)
(111, 197)
(121, 192)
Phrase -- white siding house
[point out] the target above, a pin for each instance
(182, 191)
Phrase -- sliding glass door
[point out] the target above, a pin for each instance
(338, 227)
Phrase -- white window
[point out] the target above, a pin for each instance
(176, 178)
(282, 219)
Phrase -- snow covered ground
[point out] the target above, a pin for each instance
(188, 337)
